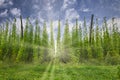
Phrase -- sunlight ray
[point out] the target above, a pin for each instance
(55, 48)
(52, 71)
(46, 71)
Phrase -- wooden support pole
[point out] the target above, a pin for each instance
(91, 27)
(21, 27)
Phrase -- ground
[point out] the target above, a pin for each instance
(53, 71)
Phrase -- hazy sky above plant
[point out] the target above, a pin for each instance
(59, 9)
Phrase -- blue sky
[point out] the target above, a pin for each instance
(59, 9)
(47, 10)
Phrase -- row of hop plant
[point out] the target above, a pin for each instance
(23, 46)
(83, 43)
(92, 43)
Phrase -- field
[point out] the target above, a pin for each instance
(85, 53)
(53, 71)
(59, 40)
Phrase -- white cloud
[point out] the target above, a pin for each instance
(48, 5)
(4, 13)
(45, 11)
(2, 2)
(10, 3)
(68, 3)
(41, 20)
(71, 14)
(15, 12)
(85, 10)
(115, 6)
(35, 6)
(65, 4)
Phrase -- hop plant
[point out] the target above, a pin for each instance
(118, 73)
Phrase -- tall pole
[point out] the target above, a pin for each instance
(91, 27)
(21, 27)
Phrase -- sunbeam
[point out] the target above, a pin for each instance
(52, 71)
(55, 48)
(46, 72)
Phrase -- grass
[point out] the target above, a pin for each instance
(51, 71)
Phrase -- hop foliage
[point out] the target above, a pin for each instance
(84, 42)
